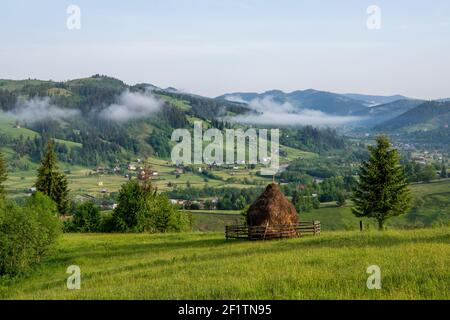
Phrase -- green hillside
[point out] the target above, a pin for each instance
(426, 116)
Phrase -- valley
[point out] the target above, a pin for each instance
(99, 154)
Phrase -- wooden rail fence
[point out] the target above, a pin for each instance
(270, 232)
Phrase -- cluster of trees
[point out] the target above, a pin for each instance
(93, 151)
(229, 198)
(141, 208)
(304, 170)
(312, 139)
(86, 217)
(7, 100)
(237, 199)
(304, 201)
(306, 196)
(27, 231)
(206, 108)
(50, 181)
(416, 172)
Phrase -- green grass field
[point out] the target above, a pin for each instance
(414, 265)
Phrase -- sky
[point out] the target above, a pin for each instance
(212, 47)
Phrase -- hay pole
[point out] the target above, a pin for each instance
(265, 233)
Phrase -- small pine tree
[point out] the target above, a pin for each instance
(382, 190)
(3, 175)
(61, 193)
(51, 182)
(443, 171)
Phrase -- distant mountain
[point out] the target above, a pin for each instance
(381, 113)
(427, 116)
(327, 102)
(373, 100)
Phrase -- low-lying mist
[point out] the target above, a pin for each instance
(39, 109)
(132, 105)
(270, 112)
(128, 106)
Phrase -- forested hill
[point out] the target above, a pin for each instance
(428, 115)
(97, 92)
(101, 120)
(327, 102)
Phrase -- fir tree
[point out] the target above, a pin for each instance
(3, 175)
(51, 182)
(382, 190)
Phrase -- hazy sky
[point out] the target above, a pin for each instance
(211, 47)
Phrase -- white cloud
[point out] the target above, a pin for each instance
(235, 98)
(38, 109)
(131, 105)
(273, 113)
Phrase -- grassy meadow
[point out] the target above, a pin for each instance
(414, 265)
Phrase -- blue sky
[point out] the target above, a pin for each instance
(212, 47)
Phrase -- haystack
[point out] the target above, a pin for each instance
(272, 215)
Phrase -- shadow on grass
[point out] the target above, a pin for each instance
(217, 250)
(173, 246)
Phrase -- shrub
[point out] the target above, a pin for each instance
(159, 215)
(26, 233)
(107, 223)
(86, 218)
(129, 203)
(142, 209)
(341, 201)
(45, 211)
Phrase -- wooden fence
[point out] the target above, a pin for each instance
(272, 231)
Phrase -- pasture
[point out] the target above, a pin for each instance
(414, 265)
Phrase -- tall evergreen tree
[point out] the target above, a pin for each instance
(3, 175)
(51, 182)
(382, 189)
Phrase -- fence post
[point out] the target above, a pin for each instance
(361, 226)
